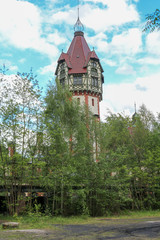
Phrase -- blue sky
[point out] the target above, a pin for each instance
(34, 32)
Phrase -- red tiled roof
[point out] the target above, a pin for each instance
(78, 54)
(91, 54)
(94, 55)
(65, 56)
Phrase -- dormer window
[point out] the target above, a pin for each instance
(94, 64)
(77, 80)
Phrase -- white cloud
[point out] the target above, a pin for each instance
(67, 15)
(21, 19)
(52, 1)
(116, 13)
(22, 60)
(153, 43)
(121, 97)
(48, 69)
(100, 41)
(109, 62)
(55, 38)
(20, 26)
(125, 69)
(128, 42)
(96, 1)
(149, 60)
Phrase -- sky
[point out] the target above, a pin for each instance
(34, 32)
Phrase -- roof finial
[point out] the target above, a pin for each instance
(78, 27)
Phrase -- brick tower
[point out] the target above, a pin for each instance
(81, 71)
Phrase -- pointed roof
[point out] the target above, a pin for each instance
(79, 53)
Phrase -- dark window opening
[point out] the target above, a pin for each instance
(62, 73)
(77, 80)
(62, 65)
(94, 72)
(94, 82)
(92, 102)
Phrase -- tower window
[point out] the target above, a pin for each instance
(92, 101)
(62, 65)
(94, 72)
(94, 82)
(62, 77)
(77, 80)
(62, 73)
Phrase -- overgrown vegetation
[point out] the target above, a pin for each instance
(56, 159)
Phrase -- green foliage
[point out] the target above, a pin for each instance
(19, 114)
(153, 21)
(80, 165)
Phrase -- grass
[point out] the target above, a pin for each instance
(38, 221)
(47, 223)
(138, 214)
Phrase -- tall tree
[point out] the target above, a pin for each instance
(19, 110)
(70, 150)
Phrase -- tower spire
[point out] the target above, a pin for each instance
(78, 8)
(78, 27)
